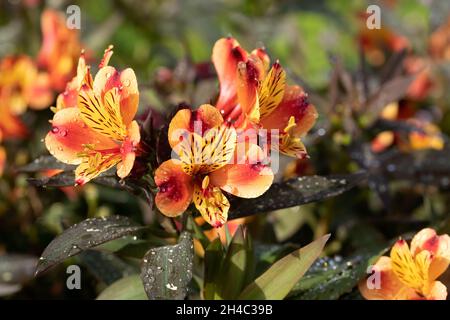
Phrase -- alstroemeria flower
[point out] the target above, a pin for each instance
(99, 132)
(253, 95)
(410, 273)
(210, 162)
(428, 135)
(60, 49)
(22, 85)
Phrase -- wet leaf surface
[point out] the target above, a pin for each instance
(167, 271)
(106, 266)
(85, 235)
(46, 163)
(430, 167)
(296, 192)
(330, 278)
(65, 179)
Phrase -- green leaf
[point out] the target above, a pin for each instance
(330, 278)
(279, 279)
(106, 266)
(295, 192)
(214, 256)
(85, 235)
(46, 163)
(197, 231)
(167, 271)
(238, 265)
(129, 288)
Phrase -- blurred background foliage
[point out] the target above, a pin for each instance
(170, 38)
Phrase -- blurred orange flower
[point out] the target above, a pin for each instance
(376, 42)
(428, 135)
(60, 49)
(439, 43)
(2, 157)
(99, 132)
(253, 95)
(211, 161)
(22, 85)
(411, 273)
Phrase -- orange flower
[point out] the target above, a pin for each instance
(251, 95)
(376, 42)
(428, 138)
(210, 162)
(411, 273)
(2, 156)
(60, 49)
(99, 132)
(22, 85)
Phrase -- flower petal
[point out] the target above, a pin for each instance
(294, 104)
(438, 291)
(248, 82)
(128, 151)
(199, 121)
(438, 246)
(247, 176)
(126, 83)
(225, 56)
(102, 115)
(126, 165)
(292, 146)
(212, 204)
(389, 286)
(264, 57)
(382, 141)
(412, 271)
(272, 90)
(175, 188)
(93, 165)
(70, 134)
(201, 155)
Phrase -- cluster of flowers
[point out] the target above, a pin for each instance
(221, 154)
(93, 127)
(27, 82)
(377, 45)
(216, 147)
